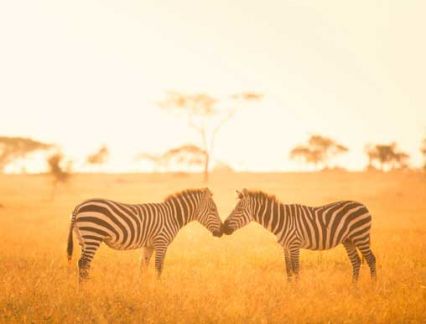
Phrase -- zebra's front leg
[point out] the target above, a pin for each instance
(146, 257)
(294, 255)
(288, 265)
(160, 254)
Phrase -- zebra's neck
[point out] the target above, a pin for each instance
(271, 214)
(182, 208)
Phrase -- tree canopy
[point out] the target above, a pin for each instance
(187, 154)
(386, 156)
(13, 148)
(98, 157)
(318, 151)
(206, 115)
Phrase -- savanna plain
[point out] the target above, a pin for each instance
(237, 278)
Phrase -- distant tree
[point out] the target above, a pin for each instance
(205, 116)
(99, 157)
(188, 155)
(14, 148)
(386, 157)
(318, 151)
(57, 170)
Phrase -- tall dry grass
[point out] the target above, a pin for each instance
(239, 278)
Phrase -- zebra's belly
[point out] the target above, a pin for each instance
(120, 246)
(316, 248)
(319, 245)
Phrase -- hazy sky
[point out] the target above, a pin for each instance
(84, 73)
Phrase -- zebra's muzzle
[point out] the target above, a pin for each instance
(226, 229)
(217, 233)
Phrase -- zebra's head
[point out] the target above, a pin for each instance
(241, 215)
(208, 215)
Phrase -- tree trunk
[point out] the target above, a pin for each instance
(206, 168)
(53, 192)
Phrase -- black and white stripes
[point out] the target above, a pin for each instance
(315, 228)
(149, 226)
(153, 226)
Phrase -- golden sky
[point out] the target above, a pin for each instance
(84, 73)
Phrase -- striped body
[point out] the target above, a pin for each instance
(314, 228)
(151, 226)
(124, 226)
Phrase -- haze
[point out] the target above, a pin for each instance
(86, 73)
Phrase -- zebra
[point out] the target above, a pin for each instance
(314, 228)
(151, 226)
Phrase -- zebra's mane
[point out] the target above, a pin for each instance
(184, 193)
(258, 194)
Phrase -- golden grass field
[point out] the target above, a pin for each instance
(238, 278)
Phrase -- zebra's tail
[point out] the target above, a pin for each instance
(70, 245)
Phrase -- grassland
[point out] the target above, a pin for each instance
(239, 278)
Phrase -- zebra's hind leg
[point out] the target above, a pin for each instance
(294, 255)
(364, 248)
(146, 257)
(288, 265)
(354, 258)
(87, 253)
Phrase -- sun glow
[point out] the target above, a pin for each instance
(91, 73)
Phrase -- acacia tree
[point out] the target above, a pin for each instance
(14, 148)
(57, 170)
(99, 157)
(386, 156)
(318, 151)
(206, 115)
(187, 154)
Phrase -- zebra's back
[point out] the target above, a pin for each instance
(324, 227)
(121, 226)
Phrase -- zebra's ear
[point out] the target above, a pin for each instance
(240, 194)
